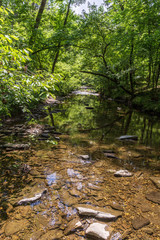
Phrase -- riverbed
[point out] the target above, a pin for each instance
(72, 165)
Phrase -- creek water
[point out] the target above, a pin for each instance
(75, 162)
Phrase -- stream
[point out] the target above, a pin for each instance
(63, 181)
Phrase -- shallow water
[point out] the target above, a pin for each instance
(79, 169)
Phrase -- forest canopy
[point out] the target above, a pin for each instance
(47, 49)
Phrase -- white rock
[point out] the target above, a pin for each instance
(123, 173)
(100, 213)
(98, 230)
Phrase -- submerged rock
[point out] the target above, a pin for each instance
(33, 199)
(52, 234)
(116, 236)
(140, 222)
(99, 231)
(123, 173)
(100, 213)
(15, 226)
(128, 137)
(72, 226)
(117, 206)
(156, 181)
(154, 197)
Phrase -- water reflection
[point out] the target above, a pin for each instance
(105, 122)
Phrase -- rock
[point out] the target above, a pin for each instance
(15, 237)
(100, 213)
(72, 226)
(32, 199)
(156, 181)
(75, 193)
(36, 235)
(128, 137)
(116, 236)
(148, 231)
(154, 197)
(126, 234)
(94, 187)
(84, 157)
(15, 226)
(140, 222)
(110, 155)
(44, 135)
(108, 151)
(117, 207)
(68, 199)
(15, 146)
(99, 231)
(123, 173)
(52, 234)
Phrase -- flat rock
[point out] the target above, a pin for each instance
(117, 206)
(128, 137)
(140, 222)
(15, 146)
(99, 231)
(75, 193)
(68, 199)
(100, 213)
(123, 173)
(15, 226)
(156, 181)
(148, 230)
(94, 187)
(52, 234)
(110, 155)
(84, 157)
(72, 226)
(154, 196)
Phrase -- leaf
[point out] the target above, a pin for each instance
(14, 37)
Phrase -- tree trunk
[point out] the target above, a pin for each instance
(59, 44)
(158, 74)
(38, 20)
(131, 70)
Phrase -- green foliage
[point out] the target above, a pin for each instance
(18, 90)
